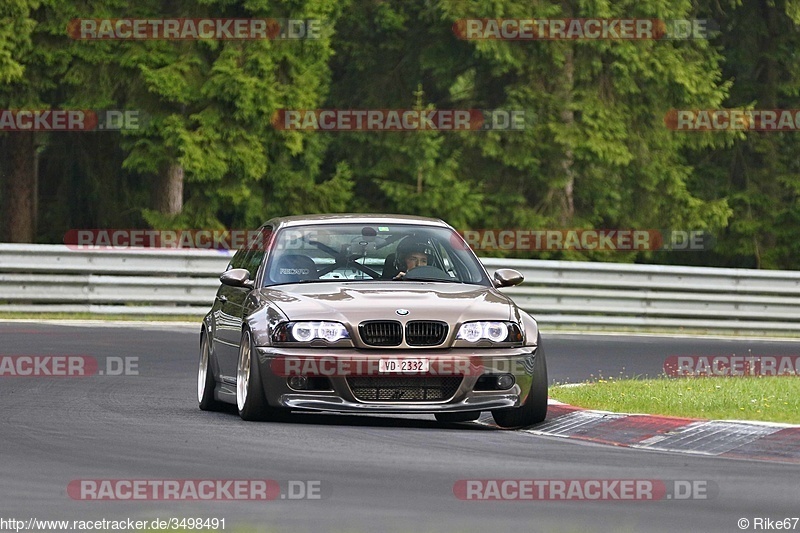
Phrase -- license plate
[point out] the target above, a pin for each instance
(405, 366)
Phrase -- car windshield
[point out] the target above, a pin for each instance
(371, 252)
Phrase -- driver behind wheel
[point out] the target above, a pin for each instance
(410, 255)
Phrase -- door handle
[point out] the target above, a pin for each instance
(223, 298)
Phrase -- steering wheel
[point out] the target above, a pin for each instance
(427, 273)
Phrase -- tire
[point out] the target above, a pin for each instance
(250, 399)
(205, 378)
(535, 408)
(452, 418)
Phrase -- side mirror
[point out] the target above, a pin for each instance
(237, 277)
(506, 277)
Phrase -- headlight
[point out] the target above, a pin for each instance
(303, 331)
(309, 331)
(492, 331)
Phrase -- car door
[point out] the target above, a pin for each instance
(231, 306)
(226, 336)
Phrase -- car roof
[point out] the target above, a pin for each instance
(354, 218)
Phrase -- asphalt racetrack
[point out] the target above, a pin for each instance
(366, 473)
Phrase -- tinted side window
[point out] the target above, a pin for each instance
(237, 260)
(252, 261)
(252, 254)
(256, 250)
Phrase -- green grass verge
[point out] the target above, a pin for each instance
(767, 399)
(95, 316)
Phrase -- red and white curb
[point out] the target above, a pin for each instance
(719, 438)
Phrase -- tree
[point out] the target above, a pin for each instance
(595, 151)
(209, 105)
(17, 149)
(760, 172)
(42, 69)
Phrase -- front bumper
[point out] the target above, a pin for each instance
(339, 365)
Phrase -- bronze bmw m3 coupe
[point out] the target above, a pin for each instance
(369, 314)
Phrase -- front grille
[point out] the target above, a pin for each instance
(425, 333)
(404, 389)
(381, 333)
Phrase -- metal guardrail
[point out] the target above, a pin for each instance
(615, 296)
(57, 278)
(54, 278)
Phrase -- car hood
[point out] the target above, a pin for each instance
(358, 301)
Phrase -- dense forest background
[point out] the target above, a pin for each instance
(597, 155)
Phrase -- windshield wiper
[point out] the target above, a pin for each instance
(440, 280)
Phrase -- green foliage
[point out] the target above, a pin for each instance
(16, 27)
(595, 152)
(758, 172)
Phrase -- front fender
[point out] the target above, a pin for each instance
(262, 323)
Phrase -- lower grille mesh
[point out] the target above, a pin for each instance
(404, 389)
